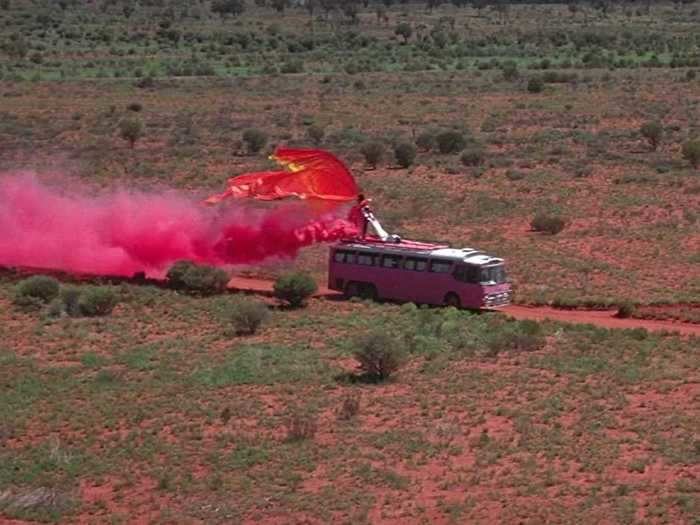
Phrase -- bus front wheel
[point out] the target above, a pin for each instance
(369, 291)
(452, 299)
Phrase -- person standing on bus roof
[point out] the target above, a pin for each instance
(357, 215)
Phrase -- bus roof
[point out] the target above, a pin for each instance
(406, 247)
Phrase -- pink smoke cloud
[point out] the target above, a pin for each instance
(124, 232)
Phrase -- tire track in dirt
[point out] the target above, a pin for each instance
(602, 318)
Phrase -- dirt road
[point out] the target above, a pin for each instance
(603, 318)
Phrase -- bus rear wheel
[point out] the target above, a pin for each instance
(369, 291)
(352, 290)
(452, 299)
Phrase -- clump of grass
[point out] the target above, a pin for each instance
(349, 407)
(245, 315)
(301, 426)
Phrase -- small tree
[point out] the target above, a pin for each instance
(131, 129)
(426, 141)
(546, 223)
(652, 131)
(4, 5)
(373, 153)
(316, 134)
(405, 154)
(691, 152)
(450, 142)
(295, 288)
(378, 355)
(404, 30)
(254, 139)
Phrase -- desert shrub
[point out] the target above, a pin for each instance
(131, 129)
(245, 315)
(546, 223)
(301, 426)
(70, 300)
(378, 355)
(292, 66)
(295, 288)
(626, 310)
(36, 291)
(473, 156)
(535, 85)
(254, 139)
(315, 133)
(691, 152)
(186, 275)
(523, 336)
(98, 301)
(426, 141)
(652, 131)
(349, 407)
(135, 106)
(405, 154)
(450, 142)
(515, 175)
(373, 153)
(509, 68)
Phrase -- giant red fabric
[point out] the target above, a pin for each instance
(309, 174)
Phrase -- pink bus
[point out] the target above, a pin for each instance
(418, 272)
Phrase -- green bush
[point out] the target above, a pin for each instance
(425, 141)
(316, 133)
(524, 336)
(70, 300)
(546, 223)
(254, 139)
(245, 315)
(98, 301)
(450, 142)
(691, 153)
(36, 291)
(373, 153)
(626, 310)
(535, 85)
(186, 275)
(378, 354)
(405, 154)
(652, 131)
(295, 288)
(473, 156)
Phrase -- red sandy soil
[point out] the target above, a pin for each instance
(603, 318)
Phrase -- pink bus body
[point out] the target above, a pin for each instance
(418, 272)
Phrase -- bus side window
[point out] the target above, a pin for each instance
(366, 259)
(391, 261)
(460, 273)
(472, 275)
(438, 266)
(340, 256)
(417, 265)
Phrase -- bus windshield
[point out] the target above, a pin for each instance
(492, 275)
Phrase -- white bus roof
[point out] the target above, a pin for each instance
(468, 255)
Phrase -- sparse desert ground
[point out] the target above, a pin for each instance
(161, 413)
